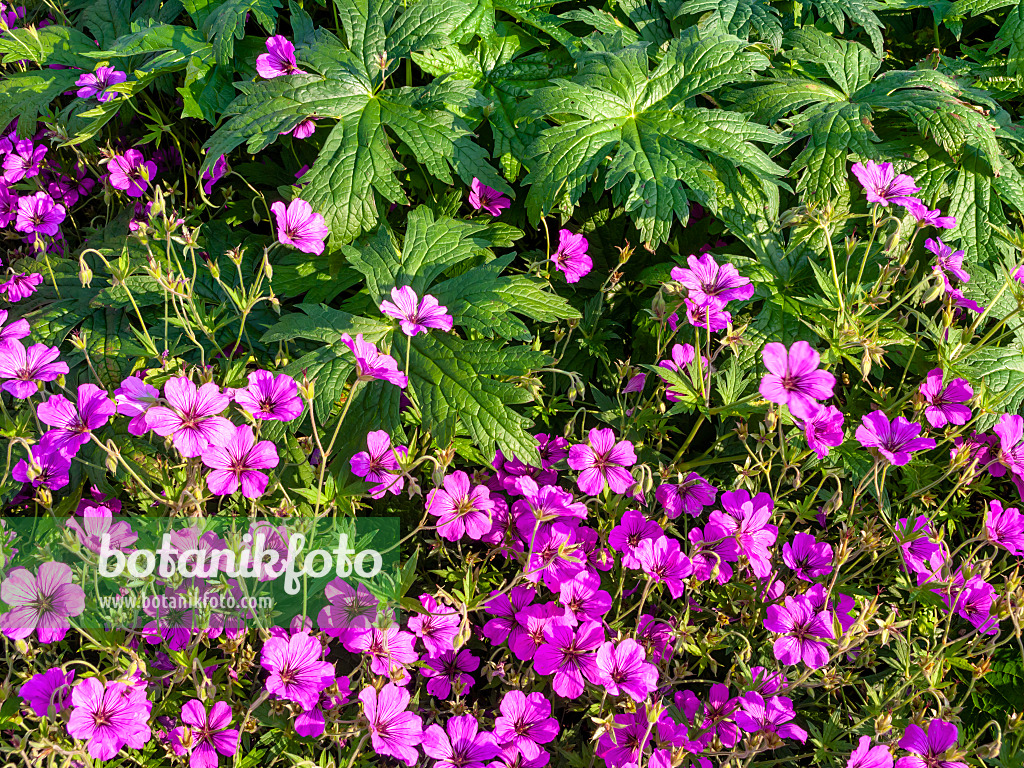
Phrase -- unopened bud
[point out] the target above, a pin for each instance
(214, 267)
(84, 274)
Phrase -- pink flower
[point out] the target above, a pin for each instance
(746, 521)
(190, 418)
(380, 464)
(807, 557)
(803, 630)
(925, 217)
(394, 731)
(23, 161)
(371, 364)
(41, 603)
(215, 174)
(449, 670)
(690, 496)
(568, 653)
(794, 379)
(824, 430)
(944, 403)
(603, 459)
(662, 561)
(571, 257)
(236, 459)
(866, 756)
(709, 283)
(1005, 527)
(928, 747)
(279, 60)
(895, 440)
(525, 723)
(947, 260)
(462, 509)
(270, 397)
(483, 197)
(624, 668)
(460, 744)
(299, 227)
(134, 398)
(38, 213)
(131, 172)
(51, 688)
(883, 186)
(25, 367)
(297, 671)
(20, 286)
(770, 717)
(416, 316)
(74, 425)
(109, 717)
(48, 469)
(203, 737)
(96, 83)
(683, 356)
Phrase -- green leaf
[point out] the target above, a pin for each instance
(454, 379)
(225, 23)
(26, 95)
(49, 45)
(107, 19)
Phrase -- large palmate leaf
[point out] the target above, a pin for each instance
(751, 19)
(504, 73)
(838, 104)
(451, 379)
(642, 122)
(357, 161)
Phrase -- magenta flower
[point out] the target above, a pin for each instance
(279, 60)
(624, 668)
(895, 440)
(1010, 429)
(437, 626)
(794, 379)
(16, 330)
(98, 523)
(74, 425)
(824, 430)
(568, 653)
(134, 398)
(623, 746)
(450, 670)
(633, 529)
(945, 403)
(803, 632)
(51, 688)
(807, 557)
(483, 197)
(394, 731)
(270, 397)
(866, 756)
(20, 286)
(746, 521)
(708, 316)
(505, 607)
(131, 173)
(237, 459)
(460, 744)
(1005, 527)
(371, 364)
(690, 496)
(350, 613)
(882, 185)
(770, 717)
(96, 83)
(214, 174)
(603, 459)
(305, 129)
(380, 464)
(38, 213)
(662, 561)
(925, 217)
(191, 419)
(928, 747)
(416, 316)
(8, 205)
(41, 603)
(716, 717)
(462, 509)
(109, 717)
(390, 651)
(299, 227)
(23, 161)
(571, 257)
(297, 671)
(707, 282)
(25, 367)
(525, 723)
(947, 260)
(203, 737)
(47, 468)
(921, 554)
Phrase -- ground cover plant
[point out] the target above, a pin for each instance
(677, 343)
